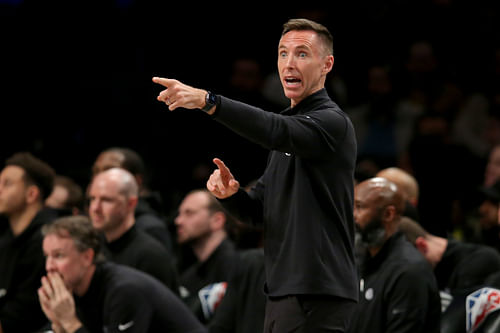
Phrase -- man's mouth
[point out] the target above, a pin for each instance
(292, 81)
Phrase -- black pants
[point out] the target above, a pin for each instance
(308, 314)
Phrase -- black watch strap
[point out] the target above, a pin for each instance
(210, 101)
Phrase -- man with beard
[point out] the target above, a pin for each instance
(202, 227)
(398, 291)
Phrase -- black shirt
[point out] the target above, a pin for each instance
(217, 269)
(22, 265)
(398, 291)
(148, 220)
(242, 309)
(465, 266)
(305, 196)
(137, 249)
(123, 299)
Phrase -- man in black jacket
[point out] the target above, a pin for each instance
(113, 196)
(25, 183)
(305, 196)
(83, 293)
(148, 211)
(398, 289)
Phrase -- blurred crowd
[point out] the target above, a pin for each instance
(425, 107)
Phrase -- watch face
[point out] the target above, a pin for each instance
(211, 99)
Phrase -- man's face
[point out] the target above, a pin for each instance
(368, 216)
(492, 173)
(12, 190)
(58, 197)
(488, 214)
(63, 257)
(193, 221)
(302, 64)
(108, 206)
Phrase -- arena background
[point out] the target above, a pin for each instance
(76, 75)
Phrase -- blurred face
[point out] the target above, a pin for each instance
(12, 190)
(107, 160)
(58, 197)
(302, 64)
(63, 257)
(108, 207)
(193, 221)
(368, 216)
(492, 173)
(488, 214)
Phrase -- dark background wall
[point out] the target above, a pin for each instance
(76, 75)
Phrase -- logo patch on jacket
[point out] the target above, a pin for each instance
(479, 305)
(211, 296)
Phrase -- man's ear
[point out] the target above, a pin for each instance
(32, 194)
(389, 216)
(89, 255)
(421, 244)
(328, 65)
(218, 220)
(132, 202)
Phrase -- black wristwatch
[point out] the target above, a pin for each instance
(210, 101)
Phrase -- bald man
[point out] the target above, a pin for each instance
(398, 291)
(408, 185)
(113, 198)
(148, 211)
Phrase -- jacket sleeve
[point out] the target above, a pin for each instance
(245, 206)
(313, 135)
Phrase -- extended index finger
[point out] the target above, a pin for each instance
(225, 174)
(163, 81)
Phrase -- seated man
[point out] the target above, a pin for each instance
(113, 196)
(398, 291)
(148, 215)
(459, 267)
(82, 293)
(201, 225)
(25, 183)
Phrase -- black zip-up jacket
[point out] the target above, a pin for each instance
(22, 266)
(398, 292)
(305, 196)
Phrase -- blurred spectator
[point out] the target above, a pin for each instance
(384, 125)
(113, 196)
(25, 183)
(246, 84)
(148, 212)
(408, 186)
(66, 197)
(398, 291)
(486, 229)
(459, 267)
(201, 225)
(83, 293)
(492, 172)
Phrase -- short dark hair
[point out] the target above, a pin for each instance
(305, 24)
(36, 172)
(79, 228)
(75, 193)
(412, 229)
(132, 161)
